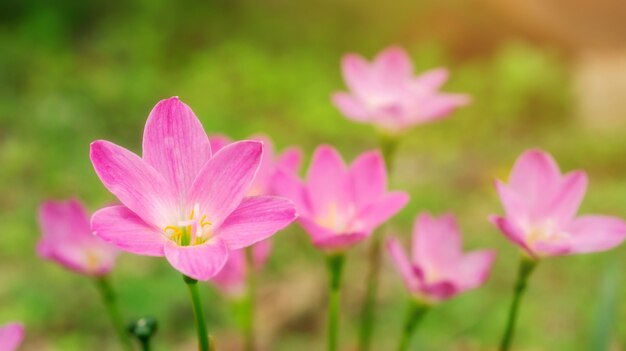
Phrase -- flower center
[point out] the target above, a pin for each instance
(545, 231)
(193, 231)
(338, 221)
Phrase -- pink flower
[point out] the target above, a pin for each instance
(263, 183)
(231, 279)
(340, 206)
(11, 335)
(439, 269)
(181, 200)
(541, 205)
(68, 240)
(387, 94)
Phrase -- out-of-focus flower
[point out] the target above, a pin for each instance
(68, 240)
(338, 205)
(387, 94)
(263, 183)
(182, 201)
(232, 278)
(11, 335)
(438, 269)
(541, 204)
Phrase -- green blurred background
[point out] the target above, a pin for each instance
(541, 75)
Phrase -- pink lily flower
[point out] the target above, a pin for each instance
(338, 205)
(387, 94)
(68, 240)
(438, 269)
(263, 183)
(181, 200)
(11, 336)
(232, 278)
(541, 205)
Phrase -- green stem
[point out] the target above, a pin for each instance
(415, 314)
(203, 335)
(526, 267)
(248, 325)
(388, 146)
(334, 264)
(108, 296)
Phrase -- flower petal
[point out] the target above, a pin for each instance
(288, 185)
(568, 197)
(200, 262)
(135, 183)
(11, 336)
(328, 183)
(357, 74)
(256, 219)
(535, 175)
(377, 213)
(436, 243)
(441, 105)
(402, 264)
(123, 228)
(432, 80)
(290, 160)
(327, 239)
(64, 220)
(223, 181)
(595, 233)
(218, 141)
(512, 202)
(368, 176)
(350, 106)
(175, 144)
(512, 232)
(474, 269)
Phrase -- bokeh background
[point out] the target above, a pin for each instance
(548, 74)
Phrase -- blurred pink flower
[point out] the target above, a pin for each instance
(68, 240)
(231, 279)
(541, 205)
(387, 94)
(263, 183)
(439, 269)
(11, 335)
(338, 205)
(182, 201)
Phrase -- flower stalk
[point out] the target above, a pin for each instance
(388, 146)
(248, 324)
(526, 267)
(201, 327)
(334, 264)
(415, 313)
(110, 302)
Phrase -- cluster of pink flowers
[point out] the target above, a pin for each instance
(200, 201)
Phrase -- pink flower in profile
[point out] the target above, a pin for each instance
(263, 183)
(438, 269)
(541, 205)
(68, 240)
(181, 200)
(338, 205)
(232, 278)
(11, 335)
(387, 94)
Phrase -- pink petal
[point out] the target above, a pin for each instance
(288, 185)
(436, 243)
(568, 197)
(369, 178)
(175, 144)
(393, 62)
(377, 213)
(200, 262)
(123, 228)
(350, 107)
(357, 74)
(327, 239)
(596, 233)
(535, 175)
(432, 80)
(513, 203)
(511, 231)
(474, 269)
(218, 141)
(62, 220)
(256, 219)
(231, 278)
(135, 183)
(223, 181)
(11, 336)
(290, 160)
(402, 264)
(439, 290)
(328, 182)
(261, 252)
(441, 105)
